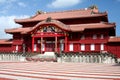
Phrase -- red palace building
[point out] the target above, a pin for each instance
(74, 31)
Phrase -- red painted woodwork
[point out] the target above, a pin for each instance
(97, 47)
(50, 47)
(6, 48)
(29, 24)
(66, 44)
(114, 48)
(76, 47)
(32, 44)
(82, 21)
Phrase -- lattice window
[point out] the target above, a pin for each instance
(35, 47)
(82, 37)
(16, 47)
(94, 36)
(82, 47)
(71, 47)
(102, 46)
(102, 36)
(92, 47)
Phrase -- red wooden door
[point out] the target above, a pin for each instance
(50, 47)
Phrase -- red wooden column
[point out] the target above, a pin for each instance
(66, 43)
(41, 44)
(32, 44)
(55, 43)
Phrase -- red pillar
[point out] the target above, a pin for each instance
(66, 43)
(41, 43)
(32, 44)
(55, 43)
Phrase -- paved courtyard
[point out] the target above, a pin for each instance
(58, 71)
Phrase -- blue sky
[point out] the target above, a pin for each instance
(12, 9)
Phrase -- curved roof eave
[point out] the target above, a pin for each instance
(62, 26)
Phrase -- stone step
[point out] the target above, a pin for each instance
(45, 55)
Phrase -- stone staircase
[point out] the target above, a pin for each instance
(47, 56)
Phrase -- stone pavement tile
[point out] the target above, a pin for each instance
(1, 78)
(59, 71)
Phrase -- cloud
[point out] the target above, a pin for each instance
(7, 1)
(7, 22)
(64, 3)
(21, 4)
(8, 5)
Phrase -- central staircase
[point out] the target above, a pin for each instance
(47, 56)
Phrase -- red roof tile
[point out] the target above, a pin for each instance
(62, 15)
(114, 39)
(18, 30)
(5, 41)
(82, 27)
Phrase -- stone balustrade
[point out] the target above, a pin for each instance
(69, 57)
(7, 57)
(88, 58)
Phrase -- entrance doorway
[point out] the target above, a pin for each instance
(50, 44)
(50, 47)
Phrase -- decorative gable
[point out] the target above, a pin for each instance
(49, 29)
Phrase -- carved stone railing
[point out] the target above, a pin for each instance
(89, 58)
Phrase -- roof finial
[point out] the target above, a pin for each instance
(94, 9)
(39, 12)
(48, 19)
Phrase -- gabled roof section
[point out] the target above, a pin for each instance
(82, 13)
(114, 39)
(51, 23)
(6, 41)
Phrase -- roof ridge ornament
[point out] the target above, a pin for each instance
(39, 12)
(48, 19)
(94, 9)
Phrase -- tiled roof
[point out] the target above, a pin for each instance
(18, 30)
(114, 39)
(82, 27)
(63, 15)
(73, 28)
(5, 41)
(28, 29)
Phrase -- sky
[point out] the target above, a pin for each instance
(20, 9)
